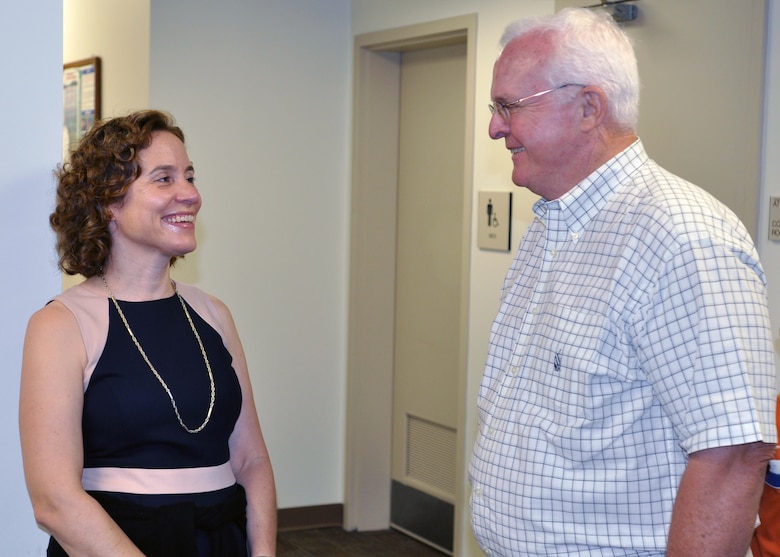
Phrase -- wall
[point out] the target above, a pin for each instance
(262, 91)
(201, 73)
(266, 114)
(770, 250)
(269, 138)
(267, 117)
(118, 32)
(30, 147)
(492, 168)
(491, 172)
(256, 121)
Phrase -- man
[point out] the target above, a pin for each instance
(627, 405)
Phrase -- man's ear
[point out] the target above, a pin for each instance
(594, 107)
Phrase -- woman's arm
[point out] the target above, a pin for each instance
(50, 411)
(248, 454)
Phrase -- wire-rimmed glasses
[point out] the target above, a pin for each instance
(505, 110)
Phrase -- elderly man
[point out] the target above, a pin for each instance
(627, 404)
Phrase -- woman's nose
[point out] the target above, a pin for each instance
(188, 193)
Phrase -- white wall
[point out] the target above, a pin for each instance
(264, 98)
(263, 94)
(272, 234)
(770, 187)
(262, 91)
(30, 147)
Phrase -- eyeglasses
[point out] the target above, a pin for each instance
(505, 110)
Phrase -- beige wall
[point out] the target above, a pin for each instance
(267, 118)
(118, 32)
(492, 168)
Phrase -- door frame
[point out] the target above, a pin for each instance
(376, 94)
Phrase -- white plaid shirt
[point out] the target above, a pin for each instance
(633, 330)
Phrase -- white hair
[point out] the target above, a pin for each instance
(589, 49)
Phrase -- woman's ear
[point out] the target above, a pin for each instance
(108, 214)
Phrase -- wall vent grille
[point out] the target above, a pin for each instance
(430, 453)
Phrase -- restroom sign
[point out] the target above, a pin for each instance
(494, 221)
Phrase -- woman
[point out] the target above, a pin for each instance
(139, 430)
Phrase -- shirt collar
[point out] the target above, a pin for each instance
(583, 202)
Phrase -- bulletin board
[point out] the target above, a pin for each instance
(81, 100)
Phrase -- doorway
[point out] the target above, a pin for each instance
(373, 466)
(430, 222)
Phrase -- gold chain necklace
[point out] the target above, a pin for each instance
(154, 371)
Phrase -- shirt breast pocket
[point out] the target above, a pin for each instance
(569, 362)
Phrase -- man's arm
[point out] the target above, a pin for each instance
(717, 504)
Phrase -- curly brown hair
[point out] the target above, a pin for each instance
(97, 176)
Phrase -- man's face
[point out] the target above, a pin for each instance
(541, 132)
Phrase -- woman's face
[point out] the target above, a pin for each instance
(156, 217)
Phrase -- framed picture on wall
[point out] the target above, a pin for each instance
(80, 100)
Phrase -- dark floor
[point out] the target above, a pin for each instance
(336, 542)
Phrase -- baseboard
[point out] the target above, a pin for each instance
(428, 518)
(317, 516)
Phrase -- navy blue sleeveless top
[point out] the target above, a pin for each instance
(128, 420)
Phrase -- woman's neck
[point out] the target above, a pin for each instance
(136, 284)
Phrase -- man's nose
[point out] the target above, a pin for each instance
(498, 127)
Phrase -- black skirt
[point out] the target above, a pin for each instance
(178, 529)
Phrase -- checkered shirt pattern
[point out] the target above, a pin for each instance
(633, 330)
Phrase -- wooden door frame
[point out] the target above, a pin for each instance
(377, 59)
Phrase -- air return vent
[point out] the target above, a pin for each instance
(430, 453)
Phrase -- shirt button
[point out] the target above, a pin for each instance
(491, 431)
(553, 252)
(477, 491)
(533, 310)
(514, 370)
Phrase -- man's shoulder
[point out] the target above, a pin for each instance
(685, 210)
